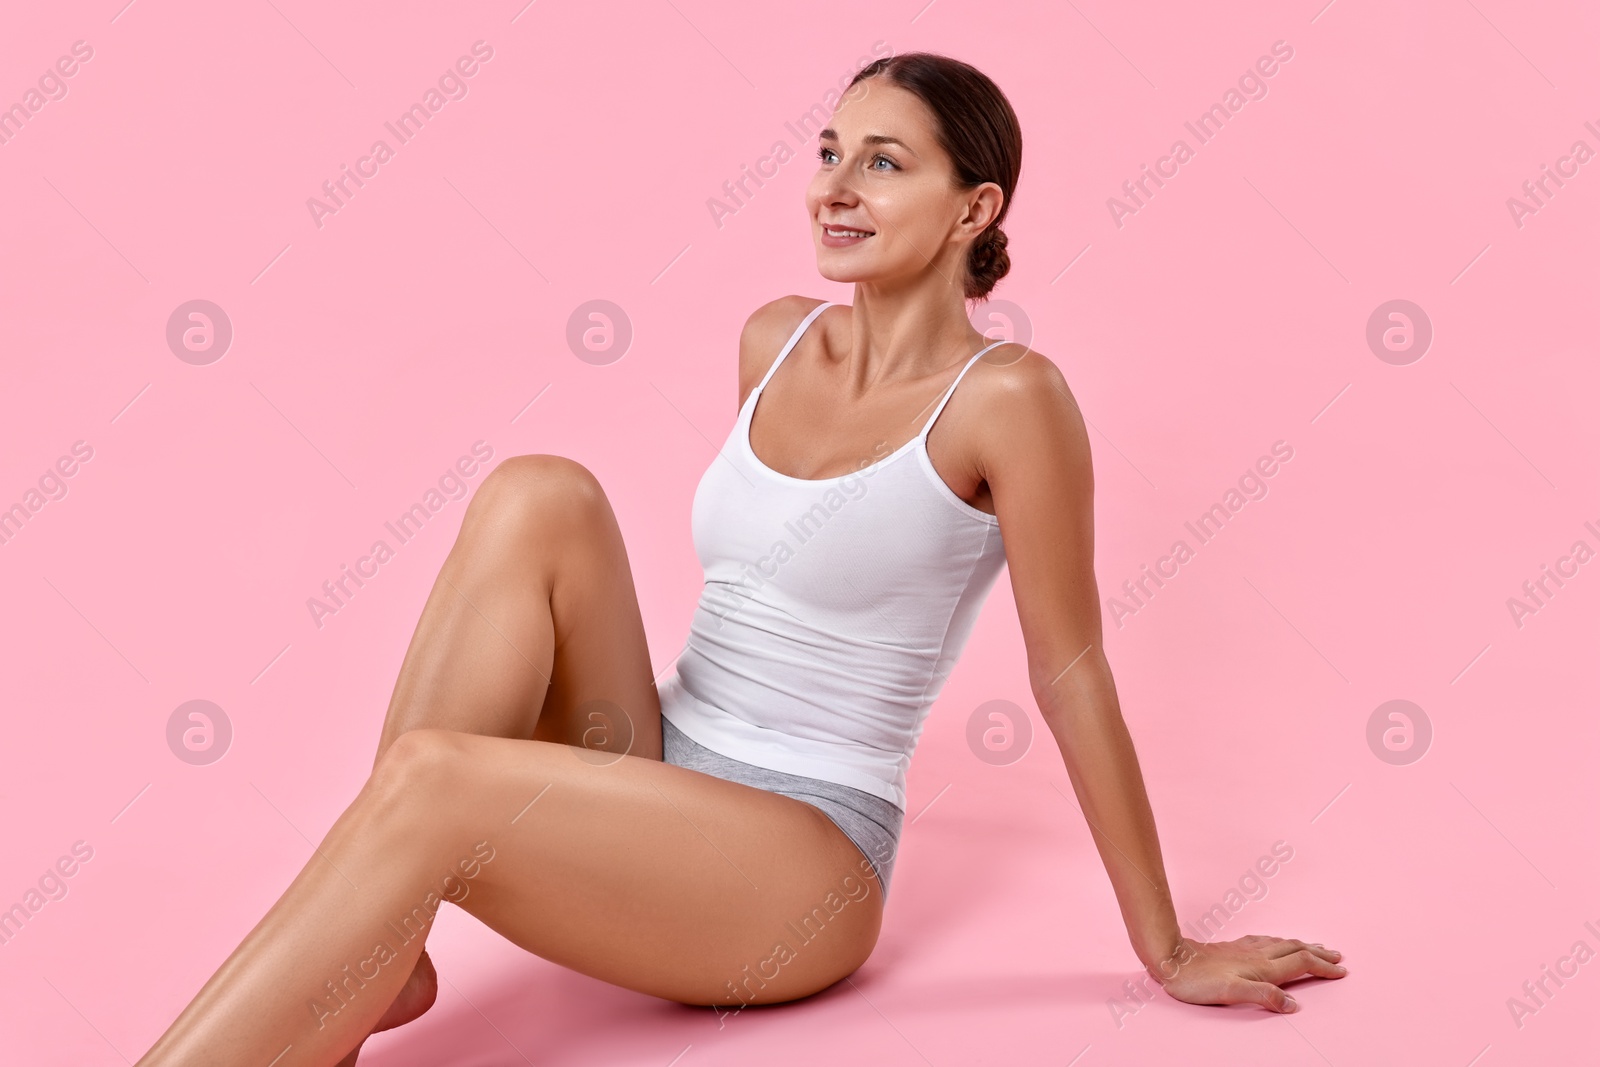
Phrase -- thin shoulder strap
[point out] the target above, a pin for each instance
(948, 393)
(793, 338)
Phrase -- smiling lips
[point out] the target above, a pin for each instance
(842, 236)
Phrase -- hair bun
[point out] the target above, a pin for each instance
(987, 262)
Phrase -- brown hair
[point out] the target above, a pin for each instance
(978, 130)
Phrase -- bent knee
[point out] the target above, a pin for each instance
(539, 487)
(542, 473)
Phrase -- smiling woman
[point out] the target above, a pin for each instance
(729, 837)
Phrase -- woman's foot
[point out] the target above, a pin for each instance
(414, 998)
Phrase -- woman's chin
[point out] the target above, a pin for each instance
(837, 272)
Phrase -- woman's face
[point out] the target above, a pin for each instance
(882, 172)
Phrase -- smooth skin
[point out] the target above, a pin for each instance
(519, 770)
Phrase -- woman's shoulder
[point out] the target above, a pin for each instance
(764, 334)
(1012, 371)
(1018, 404)
(1012, 378)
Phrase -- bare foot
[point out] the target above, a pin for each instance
(414, 998)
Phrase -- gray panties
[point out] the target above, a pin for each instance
(872, 823)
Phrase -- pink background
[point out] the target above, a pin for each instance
(1228, 313)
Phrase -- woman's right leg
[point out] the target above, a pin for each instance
(532, 630)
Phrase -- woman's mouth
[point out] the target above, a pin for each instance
(843, 236)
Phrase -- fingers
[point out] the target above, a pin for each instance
(1303, 962)
(1288, 946)
(1269, 996)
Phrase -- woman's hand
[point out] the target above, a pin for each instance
(1247, 971)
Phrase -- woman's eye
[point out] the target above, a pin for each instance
(824, 152)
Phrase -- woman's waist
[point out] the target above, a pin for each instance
(784, 688)
(870, 755)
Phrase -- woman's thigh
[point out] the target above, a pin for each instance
(644, 874)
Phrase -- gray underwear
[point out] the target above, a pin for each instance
(872, 823)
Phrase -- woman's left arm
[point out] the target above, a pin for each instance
(1036, 461)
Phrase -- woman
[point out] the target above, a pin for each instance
(698, 841)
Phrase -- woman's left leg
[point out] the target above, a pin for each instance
(638, 872)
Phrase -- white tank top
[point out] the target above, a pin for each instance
(833, 608)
